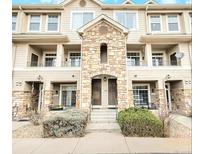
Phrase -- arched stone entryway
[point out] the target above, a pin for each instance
(110, 62)
(104, 91)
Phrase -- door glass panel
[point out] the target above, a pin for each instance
(96, 92)
(34, 60)
(112, 92)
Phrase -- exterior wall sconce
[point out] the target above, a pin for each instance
(168, 76)
(135, 76)
(40, 78)
(104, 79)
(73, 75)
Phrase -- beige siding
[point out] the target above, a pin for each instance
(48, 76)
(21, 55)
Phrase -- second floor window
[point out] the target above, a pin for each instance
(75, 59)
(127, 19)
(34, 23)
(52, 23)
(34, 60)
(14, 17)
(157, 59)
(81, 18)
(133, 59)
(103, 53)
(173, 25)
(50, 60)
(155, 23)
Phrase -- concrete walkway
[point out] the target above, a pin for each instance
(95, 143)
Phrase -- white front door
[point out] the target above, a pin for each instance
(168, 96)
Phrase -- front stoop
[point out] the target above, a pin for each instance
(103, 120)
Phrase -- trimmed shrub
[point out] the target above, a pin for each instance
(69, 123)
(139, 122)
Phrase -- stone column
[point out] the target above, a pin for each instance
(148, 54)
(161, 99)
(60, 55)
(130, 98)
(78, 99)
(47, 96)
(21, 101)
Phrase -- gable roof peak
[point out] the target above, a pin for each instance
(151, 2)
(128, 2)
(65, 2)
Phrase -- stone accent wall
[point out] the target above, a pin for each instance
(21, 102)
(47, 100)
(78, 99)
(181, 101)
(130, 98)
(116, 62)
(161, 103)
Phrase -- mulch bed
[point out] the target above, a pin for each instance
(28, 131)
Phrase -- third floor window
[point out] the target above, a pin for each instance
(14, 17)
(53, 24)
(155, 23)
(81, 18)
(173, 23)
(34, 23)
(127, 19)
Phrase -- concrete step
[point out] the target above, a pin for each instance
(103, 127)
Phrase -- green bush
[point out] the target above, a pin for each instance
(139, 122)
(69, 123)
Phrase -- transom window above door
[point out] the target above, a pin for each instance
(127, 19)
(81, 18)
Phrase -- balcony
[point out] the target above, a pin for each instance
(157, 55)
(54, 56)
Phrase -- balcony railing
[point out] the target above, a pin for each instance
(131, 63)
(69, 63)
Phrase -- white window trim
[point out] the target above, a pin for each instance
(161, 24)
(15, 13)
(149, 93)
(178, 20)
(61, 85)
(140, 55)
(71, 17)
(58, 28)
(137, 18)
(44, 56)
(29, 19)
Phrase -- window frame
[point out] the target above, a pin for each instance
(148, 88)
(161, 24)
(37, 59)
(190, 21)
(127, 11)
(163, 57)
(69, 58)
(178, 21)
(16, 14)
(40, 22)
(137, 52)
(71, 17)
(44, 58)
(58, 28)
(61, 88)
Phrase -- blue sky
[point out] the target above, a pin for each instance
(105, 1)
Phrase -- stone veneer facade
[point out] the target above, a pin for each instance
(181, 101)
(116, 61)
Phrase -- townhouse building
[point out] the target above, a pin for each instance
(89, 55)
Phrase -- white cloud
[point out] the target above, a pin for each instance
(168, 1)
(51, 1)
